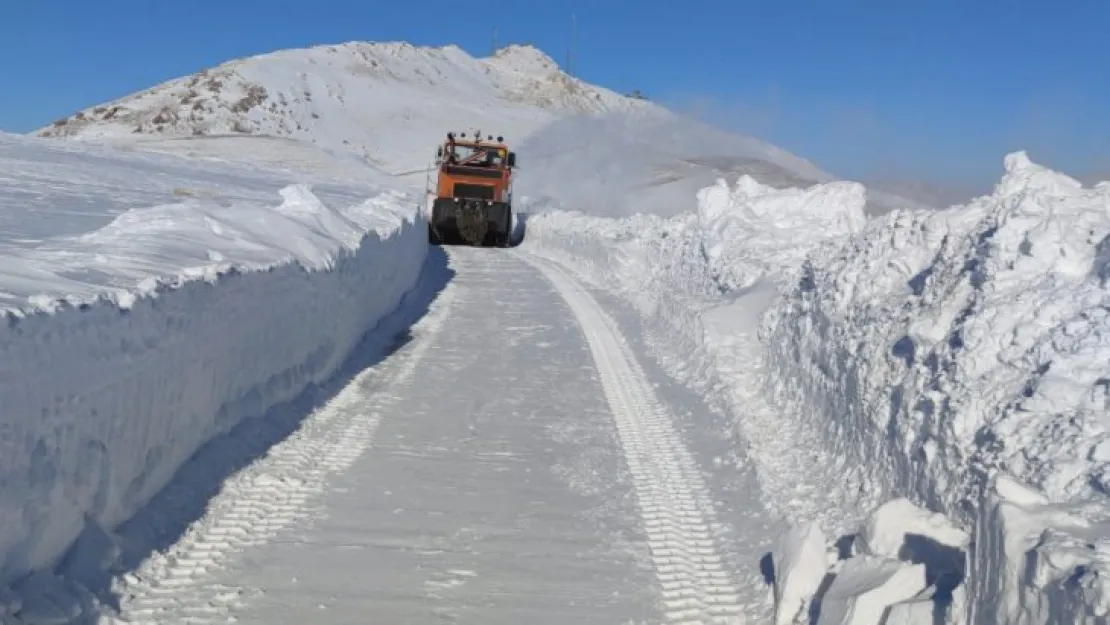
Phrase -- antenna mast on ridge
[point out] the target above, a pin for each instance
(572, 52)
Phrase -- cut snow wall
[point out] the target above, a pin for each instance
(656, 264)
(936, 351)
(751, 231)
(683, 273)
(927, 344)
(100, 405)
(974, 337)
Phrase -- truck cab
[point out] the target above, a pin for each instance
(473, 196)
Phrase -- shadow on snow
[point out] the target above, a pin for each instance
(169, 514)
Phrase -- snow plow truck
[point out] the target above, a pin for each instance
(473, 193)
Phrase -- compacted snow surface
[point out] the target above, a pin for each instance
(536, 478)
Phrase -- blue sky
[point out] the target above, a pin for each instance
(939, 89)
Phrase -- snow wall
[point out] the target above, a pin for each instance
(956, 357)
(699, 281)
(940, 352)
(102, 399)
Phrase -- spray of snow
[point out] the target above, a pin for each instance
(653, 161)
(129, 346)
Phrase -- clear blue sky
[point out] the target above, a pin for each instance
(934, 88)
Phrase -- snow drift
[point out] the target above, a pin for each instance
(176, 316)
(1039, 562)
(753, 231)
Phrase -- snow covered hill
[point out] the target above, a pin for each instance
(391, 103)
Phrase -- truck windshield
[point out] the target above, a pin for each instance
(485, 156)
(462, 152)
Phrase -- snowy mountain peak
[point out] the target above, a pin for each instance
(526, 59)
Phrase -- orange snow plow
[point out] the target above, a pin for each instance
(473, 195)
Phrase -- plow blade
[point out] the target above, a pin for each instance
(456, 221)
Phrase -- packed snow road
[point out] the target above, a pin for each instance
(510, 463)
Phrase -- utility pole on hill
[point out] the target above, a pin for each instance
(494, 50)
(572, 53)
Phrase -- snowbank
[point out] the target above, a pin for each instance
(972, 338)
(1038, 562)
(700, 281)
(936, 351)
(737, 237)
(128, 347)
(799, 563)
(752, 230)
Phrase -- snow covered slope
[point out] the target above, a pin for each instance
(291, 159)
(153, 302)
(390, 103)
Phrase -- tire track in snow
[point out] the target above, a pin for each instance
(272, 493)
(678, 516)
